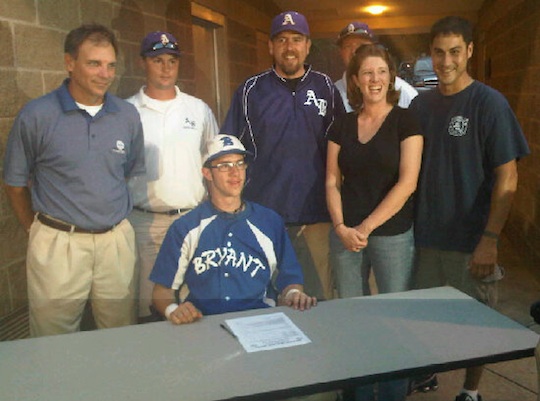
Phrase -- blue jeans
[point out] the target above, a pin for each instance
(391, 259)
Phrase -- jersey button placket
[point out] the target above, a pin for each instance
(227, 274)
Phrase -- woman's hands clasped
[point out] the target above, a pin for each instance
(352, 239)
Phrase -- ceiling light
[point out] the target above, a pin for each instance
(376, 9)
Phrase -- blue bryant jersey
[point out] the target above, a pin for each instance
(227, 260)
(286, 132)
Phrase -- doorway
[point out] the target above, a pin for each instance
(210, 59)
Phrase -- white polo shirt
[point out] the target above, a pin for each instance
(175, 136)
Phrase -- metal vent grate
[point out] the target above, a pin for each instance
(14, 326)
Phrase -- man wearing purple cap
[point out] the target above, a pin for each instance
(282, 116)
(351, 38)
(176, 129)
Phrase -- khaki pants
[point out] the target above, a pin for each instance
(310, 243)
(64, 270)
(319, 246)
(436, 268)
(150, 230)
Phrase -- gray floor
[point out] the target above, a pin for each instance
(507, 381)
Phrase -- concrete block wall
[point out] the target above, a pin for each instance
(248, 25)
(509, 48)
(31, 64)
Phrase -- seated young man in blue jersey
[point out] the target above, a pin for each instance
(228, 252)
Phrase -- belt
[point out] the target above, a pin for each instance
(70, 228)
(171, 212)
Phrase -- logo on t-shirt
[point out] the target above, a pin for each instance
(190, 124)
(120, 147)
(458, 126)
(320, 103)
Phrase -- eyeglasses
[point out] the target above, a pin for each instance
(168, 45)
(228, 166)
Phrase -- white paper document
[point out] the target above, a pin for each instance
(266, 332)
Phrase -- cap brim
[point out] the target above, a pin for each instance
(364, 35)
(288, 28)
(227, 152)
(154, 53)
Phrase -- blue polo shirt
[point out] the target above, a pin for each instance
(76, 165)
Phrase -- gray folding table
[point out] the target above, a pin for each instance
(354, 341)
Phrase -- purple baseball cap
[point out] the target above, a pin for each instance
(355, 28)
(156, 43)
(289, 21)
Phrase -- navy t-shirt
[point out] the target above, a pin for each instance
(467, 136)
(370, 170)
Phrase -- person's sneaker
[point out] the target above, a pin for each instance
(423, 384)
(467, 397)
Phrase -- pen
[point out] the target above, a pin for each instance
(227, 329)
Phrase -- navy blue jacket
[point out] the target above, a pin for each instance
(286, 132)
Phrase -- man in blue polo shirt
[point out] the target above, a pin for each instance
(67, 159)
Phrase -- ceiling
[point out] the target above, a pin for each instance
(327, 17)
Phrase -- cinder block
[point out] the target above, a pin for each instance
(131, 57)
(179, 10)
(7, 58)
(129, 23)
(241, 33)
(183, 33)
(17, 89)
(24, 10)
(5, 127)
(44, 51)
(63, 14)
(128, 86)
(5, 299)
(17, 282)
(187, 68)
(244, 53)
(100, 12)
(53, 80)
(13, 240)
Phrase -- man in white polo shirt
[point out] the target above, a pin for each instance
(176, 129)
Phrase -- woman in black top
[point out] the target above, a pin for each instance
(374, 157)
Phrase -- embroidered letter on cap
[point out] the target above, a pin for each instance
(288, 20)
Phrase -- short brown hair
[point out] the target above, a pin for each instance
(452, 25)
(369, 50)
(95, 33)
